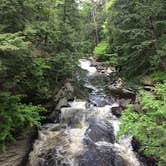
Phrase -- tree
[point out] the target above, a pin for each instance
(136, 33)
(38, 53)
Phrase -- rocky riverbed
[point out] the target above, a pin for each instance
(86, 133)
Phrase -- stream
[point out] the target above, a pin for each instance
(85, 135)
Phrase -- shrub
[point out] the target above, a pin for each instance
(14, 116)
(148, 126)
(158, 76)
(101, 50)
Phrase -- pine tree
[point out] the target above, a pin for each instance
(137, 34)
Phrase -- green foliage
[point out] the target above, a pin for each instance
(15, 116)
(101, 50)
(149, 125)
(110, 59)
(158, 77)
(93, 16)
(12, 43)
(108, 5)
(85, 9)
(132, 35)
(39, 50)
(135, 32)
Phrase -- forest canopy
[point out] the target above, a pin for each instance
(42, 40)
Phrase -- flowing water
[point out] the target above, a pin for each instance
(86, 133)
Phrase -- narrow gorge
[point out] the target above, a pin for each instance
(86, 133)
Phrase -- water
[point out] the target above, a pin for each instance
(86, 133)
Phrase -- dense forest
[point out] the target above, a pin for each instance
(41, 42)
(38, 49)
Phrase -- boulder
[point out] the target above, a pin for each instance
(62, 103)
(66, 90)
(55, 113)
(124, 103)
(117, 111)
(99, 154)
(121, 92)
(61, 99)
(110, 70)
(17, 153)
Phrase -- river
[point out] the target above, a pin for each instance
(86, 133)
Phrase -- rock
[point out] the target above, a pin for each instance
(69, 87)
(148, 88)
(110, 70)
(97, 132)
(145, 160)
(121, 93)
(54, 116)
(137, 105)
(62, 103)
(101, 69)
(55, 113)
(17, 153)
(61, 99)
(94, 63)
(73, 117)
(100, 155)
(66, 90)
(147, 82)
(117, 111)
(124, 103)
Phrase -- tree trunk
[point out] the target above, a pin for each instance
(152, 30)
(96, 36)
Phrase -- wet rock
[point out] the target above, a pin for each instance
(101, 69)
(137, 108)
(100, 131)
(97, 100)
(69, 87)
(55, 113)
(100, 155)
(61, 99)
(73, 117)
(62, 103)
(146, 161)
(148, 85)
(124, 103)
(17, 153)
(65, 92)
(121, 93)
(76, 120)
(117, 111)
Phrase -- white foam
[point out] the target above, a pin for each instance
(86, 65)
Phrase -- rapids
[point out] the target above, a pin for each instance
(86, 133)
